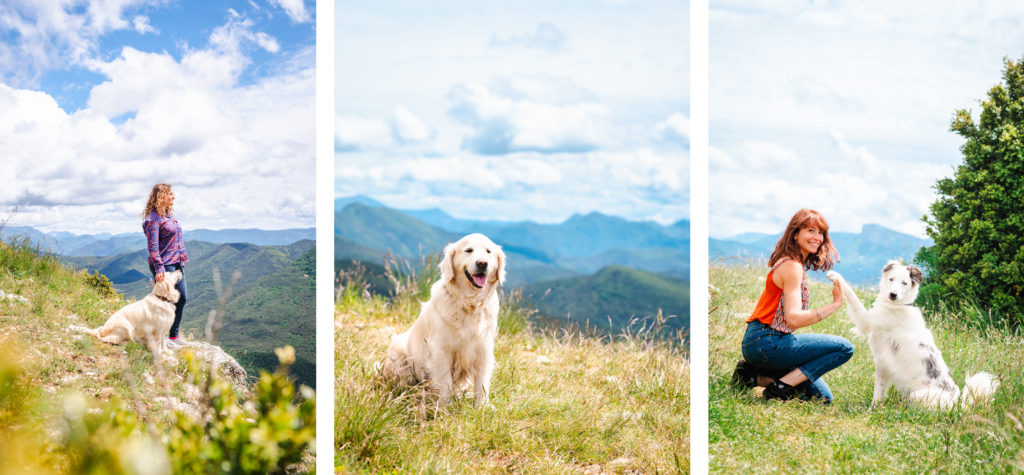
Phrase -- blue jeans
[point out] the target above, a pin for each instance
(179, 308)
(813, 354)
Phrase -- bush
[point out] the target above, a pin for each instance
(267, 432)
(101, 283)
(978, 223)
(263, 435)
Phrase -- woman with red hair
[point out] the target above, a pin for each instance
(786, 364)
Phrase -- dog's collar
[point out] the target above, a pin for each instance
(165, 299)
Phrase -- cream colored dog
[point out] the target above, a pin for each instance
(146, 322)
(452, 341)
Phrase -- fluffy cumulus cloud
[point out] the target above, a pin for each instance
(238, 155)
(42, 35)
(844, 106)
(403, 128)
(674, 130)
(295, 9)
(506, 119)
(644, 183)
(758, 185)
(545, 36)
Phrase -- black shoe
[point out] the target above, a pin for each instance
(779, 390)
(744, 375)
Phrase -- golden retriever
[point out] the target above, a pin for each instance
(146, 322)
(452, 341)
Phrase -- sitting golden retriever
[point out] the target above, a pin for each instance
(453, 338)
(146, 322)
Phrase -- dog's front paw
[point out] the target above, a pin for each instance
(834, 276)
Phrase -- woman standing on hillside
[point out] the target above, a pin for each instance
(165, 243)
(770, 349)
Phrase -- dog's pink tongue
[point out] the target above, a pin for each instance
(480, 280)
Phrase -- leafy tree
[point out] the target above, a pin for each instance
(978, 219)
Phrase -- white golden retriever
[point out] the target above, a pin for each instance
(452, 341)
(146, 322)
(903, 348)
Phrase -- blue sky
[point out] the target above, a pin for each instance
(532, 110)
(103, 99)
(844, 106)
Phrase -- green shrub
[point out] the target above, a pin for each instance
(101, 283)
(263, 435)
(977, 223)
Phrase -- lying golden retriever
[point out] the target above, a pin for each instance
(452, 341)
(146, 322)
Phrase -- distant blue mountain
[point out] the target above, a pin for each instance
(341, 203)
(861, 255)
(106, 244)
(582, 244)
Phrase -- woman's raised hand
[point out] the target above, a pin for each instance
(837, 292)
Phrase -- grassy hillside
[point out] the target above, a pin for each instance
(282, 306)
(69, 404)
(748, 434)
(614, 296)
(271, 305)
(563, 403)
(405, 235)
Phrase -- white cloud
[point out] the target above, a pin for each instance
(844, 105)
(295, 9)
(503, 125)
(141, 25)
(224, 146)
(545, 37)
(757, 186)
(673, 130)
(408, 128)
(642, 184)
(47, 34)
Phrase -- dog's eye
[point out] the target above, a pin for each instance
(469, 249)
(488, 251)
(904, 283)
(891, 279)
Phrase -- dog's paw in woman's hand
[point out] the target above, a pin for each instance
(834, 276)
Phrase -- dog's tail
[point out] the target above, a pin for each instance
(980, 387)
(92, 331)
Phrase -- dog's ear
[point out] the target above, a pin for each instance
(448, 262)
(916, 275)
(888, 266)
(501, 266)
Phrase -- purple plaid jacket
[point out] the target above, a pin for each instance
(163, 237)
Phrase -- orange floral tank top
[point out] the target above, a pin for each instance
(769, 306)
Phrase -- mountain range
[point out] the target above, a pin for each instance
(581, 260)
(861, 255)
(105, 244)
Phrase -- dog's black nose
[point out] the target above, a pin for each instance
(892, 295)
(481, 265)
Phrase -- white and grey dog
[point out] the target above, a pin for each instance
(903, 348)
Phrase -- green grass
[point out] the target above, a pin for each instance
(70, 404)
(563, 402)
(746, 433)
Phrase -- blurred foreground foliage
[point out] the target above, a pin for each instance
(265, 430)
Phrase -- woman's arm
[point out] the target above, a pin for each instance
(152, 229)
(791, 274)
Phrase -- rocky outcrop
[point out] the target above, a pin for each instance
(225, 363)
